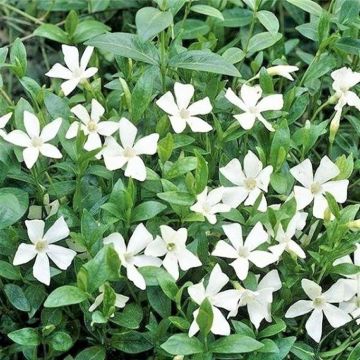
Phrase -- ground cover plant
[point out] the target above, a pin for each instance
(179, 179)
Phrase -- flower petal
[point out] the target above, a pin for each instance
(81, 113)
(217, 280)
(24, 254)
(97, 110)
(256, 237)
(338, 189)
(303, 197)
(127, 132)
(157, 247)
(93, 142)
(241, 267)
(233, 172)
(136, 169)
(303, 173)
(107, 128)
(60, 72)
(220, 326)
(69, 85)
(147, 145)
(201, 107)
(326, 171)
(320, 206)
(312, 290)
(72, 130)
(183, 94)
(117, 241)
(50, 151)
(31, 123)
(167, 104)
(246, 120)
(234, 234)
(41, 269)
(301, 307)
(187, 260)
(85, 58)
(197, 292)
(50, 130)
(30, 156)
(170, 263)
(262, 258)
(235, 100)
(233, 196)
(270, 280)
(19, 138)
(4, 119)
(198, 125)
(223, 249)
(140, 238)
(314, 325)
(271, 102)
(58, 231)
(134, 275)
(71, 57)
(61, 256)
(336, 317)
(178, 123)
(252, 165)
(250, 94)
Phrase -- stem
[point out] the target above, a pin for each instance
(163, 61)
(319, 109)
(20, 12)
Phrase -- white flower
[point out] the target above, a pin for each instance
(3, 121)
(258, 301)
(282, 70)
(315, 186)
(91, 125)
(117, 156)
(172, 245)
(250, 183)
(344, 80)
(76, 71)
(120, 300)
(43, 248)
(352, 285)
(181, 113)
(320, 304)
(209, 204)
(33, 141)
(226, 300)
(252, 107)
(244, 252)
(130, 256)
(285, 238)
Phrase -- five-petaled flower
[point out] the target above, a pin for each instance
(252, 106)
(172, 244)
(181, 113)
(244, 252)
(34, 141)
(127, 154)
(315, 186)
(76, 71)
(42, 247)
(249, 184)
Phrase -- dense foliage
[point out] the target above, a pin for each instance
(179, 179)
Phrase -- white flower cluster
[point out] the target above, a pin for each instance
(249, 185)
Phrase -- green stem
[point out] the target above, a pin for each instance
(319, 109)
(20, 12)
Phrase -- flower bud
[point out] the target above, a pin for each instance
(354, 225)
(178, 357)
(334, 126)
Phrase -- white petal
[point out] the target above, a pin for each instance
(86, 57)
(167, 104)
(170, 263)
(197, 292)
(219, 326)
(266, 123)
(71, 57)
(140, 238)
(336, 293)
(81, 113)
(50, 130)
(107, 128)
(217, 280)
(250, 94)
(117, 241)
(215, 195)
(233, 172)
(194, 327)
(314, 325)
(227, 299)
(136, 169)
(183, 94)
(223, 249)
(278, 249)
(262, 258)
(143, 260)
(187, 260)
(201, 107)
(326, 171)
(252, 165)
(72, 130)
(24, 254)
(19, 138)
(246, 120)
(234, 196)
(312, 290)
(69, 85)
(256, 237)
(352, 99)
(303, 173)
(241, 267)
(50, 151)
(114, 162)
(257, 312)
(30, 156)
(157, 247)
(338, 189)
(60, 71)
(270, 280)
(134, 275)
(4, 119)
(234, 234)
(97, 110)
(253, 196)
(235, 100)
(98, 300)
(178, 123)
(35, 230)
(58, 231)
(198, 125)
(89, 72)
(147, 145)
(271, 102)
(296, 249)
(127, 132)
(301, 307)
(121, 300)
(263, 179)
(93, 142)
(320, 206)
(41, 269)
(336, 316)
(303, 197)
(32, 124)
(61, 256)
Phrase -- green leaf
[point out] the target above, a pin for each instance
(61, 341)
(147, 210)
(207, 10)
(13, 205)
(205, 317)
(233, 55)
(25, 336)
(303, 351)
(177, 198)
(92, 353)
(346, 269)
(235, 344)
(165, 147)
(274, 329)
(159, 301)
(236, 17)
(181, 167)
(349, 45)
(182, 344)
(17, 297)
(130, 317)
(88, 29)
(131, 342)
(307, 5)
(268, 20)
(64, 296)
(355, 354)
(9, 271)
(127, 45)
(150, 21)
(52, 32)
(333, 205)
(263, 41)
(18, 58)
(201, 173)
(202, 60)
(191, 29)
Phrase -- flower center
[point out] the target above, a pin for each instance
(129, 152)
(243, 251)
(170, 246)
(92, 126)
(253, 110)
(77, 73)
(36, 142)
(184, 113)
(206, 208)
(357, 302)
(250, 183)
(315, 188)
(319, 302)
(41, 245)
